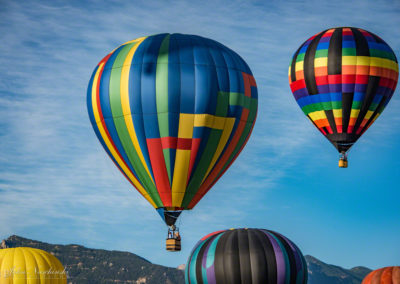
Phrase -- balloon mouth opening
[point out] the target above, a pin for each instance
(169, 216)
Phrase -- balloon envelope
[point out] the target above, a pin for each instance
(342, 79)
(244, 256)
(30, 265)
(386, 275)
(173, 112)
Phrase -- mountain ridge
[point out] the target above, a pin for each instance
(320, 272)
(87, 265)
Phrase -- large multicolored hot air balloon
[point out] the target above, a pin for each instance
(30, 265)
(342, 79)
(243, 256)
(386, 275)
(173, 112)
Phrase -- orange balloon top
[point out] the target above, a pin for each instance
(386, 275)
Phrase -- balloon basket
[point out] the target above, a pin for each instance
(343, 163)
(173, 245)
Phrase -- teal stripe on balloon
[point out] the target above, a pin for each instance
(304, 270)
(193, 276)
(211, 251)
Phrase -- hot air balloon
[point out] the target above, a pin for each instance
(386, 275)
(173, 112)
(30, 265)
(342, 79)
(243, 256)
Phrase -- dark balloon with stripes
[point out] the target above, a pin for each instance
(246, 256)
(342, 79)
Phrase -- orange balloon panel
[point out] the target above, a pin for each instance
(386, 275)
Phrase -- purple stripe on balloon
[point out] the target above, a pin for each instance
(325, 39)
(211, 275)
(348, 38)
(335, 88)
(329, 88)
(348, 88)
(295, 252)
(210, 271)
(342, 88)
(323, 89)
(360, 88)
(300, 93)
(280, 261)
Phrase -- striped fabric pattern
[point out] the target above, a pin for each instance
(342, 79)
(386, 275)
(246, 256)
(173, 112)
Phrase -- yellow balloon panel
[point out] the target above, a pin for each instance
(30, 266)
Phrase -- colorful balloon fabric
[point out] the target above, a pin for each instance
(387, 275)
(173, 112)
(29, 265)
(242, 256)
(342, 79)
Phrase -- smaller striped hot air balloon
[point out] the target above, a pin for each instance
(342, 79)
(30, 265)
(242, 256)
(386, 275)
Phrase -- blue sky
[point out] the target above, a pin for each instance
(57, 184)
